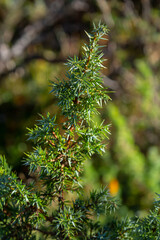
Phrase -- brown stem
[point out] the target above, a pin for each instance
(75, 101)
(89, 58)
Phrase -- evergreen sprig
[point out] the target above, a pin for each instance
(57, 160)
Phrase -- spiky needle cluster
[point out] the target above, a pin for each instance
(59, 154)
(60, 157)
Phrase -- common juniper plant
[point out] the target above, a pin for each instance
(33, 212)
(58, 158)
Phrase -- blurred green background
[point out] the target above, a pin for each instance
(37, 36)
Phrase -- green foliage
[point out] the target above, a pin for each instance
(20, 206)
(133, 72)
(57, 161)
(59, 154)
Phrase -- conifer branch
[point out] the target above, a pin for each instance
(57, 160)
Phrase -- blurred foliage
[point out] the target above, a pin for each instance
(55, 30)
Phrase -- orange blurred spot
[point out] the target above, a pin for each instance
(113, 187)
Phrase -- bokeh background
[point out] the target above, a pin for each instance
(36, 38)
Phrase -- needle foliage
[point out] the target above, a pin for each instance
(42, 211)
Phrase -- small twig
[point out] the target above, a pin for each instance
(27, 60)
